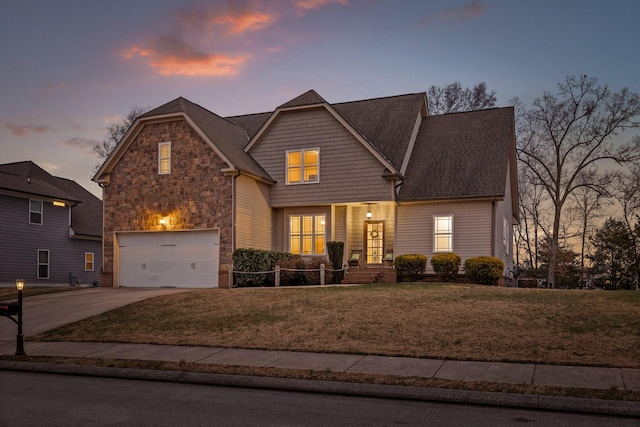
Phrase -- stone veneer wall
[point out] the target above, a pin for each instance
(195, 195)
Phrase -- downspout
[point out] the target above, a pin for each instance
(493, 226)
(233, 223)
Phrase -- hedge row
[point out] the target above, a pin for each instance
(484, 269)
(254, 260)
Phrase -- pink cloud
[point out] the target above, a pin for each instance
(236, 19)
(458, 15)
(171, 55)
(213, 40)
(24, 130)
(304, 6)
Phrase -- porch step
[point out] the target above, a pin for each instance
(369, 275)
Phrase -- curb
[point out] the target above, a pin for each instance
(526, 401)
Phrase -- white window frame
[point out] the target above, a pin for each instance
(437, 233)
(48, 263)
(314, 234)
(92, 262)
(302, 167)
(41, 212)
(162, 171)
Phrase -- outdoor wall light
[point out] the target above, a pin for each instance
(369, 214)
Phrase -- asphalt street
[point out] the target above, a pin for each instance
(62, 400)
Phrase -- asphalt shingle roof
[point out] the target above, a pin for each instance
(30, 179)
(460, 155)
(455, 155)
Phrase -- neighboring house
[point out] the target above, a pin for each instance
(51, 229)
(184, 187)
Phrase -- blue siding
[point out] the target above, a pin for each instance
(20, 242)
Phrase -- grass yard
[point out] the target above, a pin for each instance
(430, 321)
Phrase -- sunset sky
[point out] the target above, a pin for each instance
(69, 68)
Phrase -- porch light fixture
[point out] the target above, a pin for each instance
(369, 214)
(19, 337)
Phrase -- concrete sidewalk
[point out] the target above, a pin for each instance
(506, 373)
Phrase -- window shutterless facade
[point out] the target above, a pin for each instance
(88, 261)
(164, 158)
(43, 263)
(35, 212)
(307, 234)
(443, 233)
(303, 166)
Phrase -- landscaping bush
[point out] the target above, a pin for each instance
(410, 265)
(335, 250)
(292, 278)
(302, 278)
(254, 260)
(486, 270)
(446, 266)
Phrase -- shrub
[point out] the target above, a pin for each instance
(410, 265)
(484, 269)
(291, 276)
(313, 277)
(446, 265)
(254, 260)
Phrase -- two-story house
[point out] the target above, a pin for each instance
(51, 229)
(185, 187)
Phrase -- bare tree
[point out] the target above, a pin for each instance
(589, 201)
(115, 132)
(561, 136)
(452, 98)
(534, 226)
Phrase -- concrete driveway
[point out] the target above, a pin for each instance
(49, 311)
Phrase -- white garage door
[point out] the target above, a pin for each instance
(187, 259)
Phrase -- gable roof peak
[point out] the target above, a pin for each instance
(310, 97)
(178, 105)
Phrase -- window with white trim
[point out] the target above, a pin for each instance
(35, 212)
(164, 158)
(88, 261)
(443, 233)
(307, 234)
(303, 166)
(43, 263)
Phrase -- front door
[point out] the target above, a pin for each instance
(374, 239)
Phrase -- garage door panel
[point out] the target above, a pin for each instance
(180, 259)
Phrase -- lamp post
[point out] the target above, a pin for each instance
(19, 337)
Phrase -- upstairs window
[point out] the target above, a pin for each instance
(164, 158)
(443, 233)
(306, 234)
(303, 166)
(35, 212)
